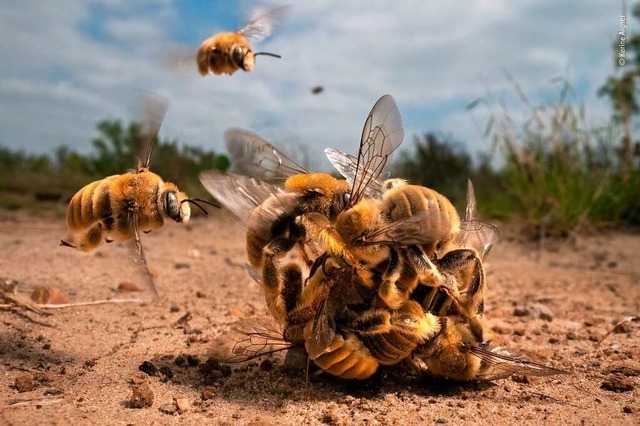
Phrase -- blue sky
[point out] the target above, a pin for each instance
(65, 65)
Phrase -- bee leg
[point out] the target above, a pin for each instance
(272, 279)
(305, 257)
(319, 227)
(369, 322)
(465, 266)
(292, 286)
(393, 290)
(427, 271)
(63, 243)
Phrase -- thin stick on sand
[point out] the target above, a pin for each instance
(91, 303)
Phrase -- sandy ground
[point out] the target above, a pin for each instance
(553, 304)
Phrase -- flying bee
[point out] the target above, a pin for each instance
(227, 52)
(117, 207)
(304, 208)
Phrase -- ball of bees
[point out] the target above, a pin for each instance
(227, 52)
(394, 273)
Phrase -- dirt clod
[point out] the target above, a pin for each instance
(167, 373)
(193, 361)
(25, 383)
(207, 394)
(141, 396)
(330, 417)
(148, 368)
(618, 383)
(521, 311)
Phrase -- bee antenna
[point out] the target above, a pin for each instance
(195, 201)
(267, 54)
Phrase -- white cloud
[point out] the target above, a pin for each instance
(56, 81)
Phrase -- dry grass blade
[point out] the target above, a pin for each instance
(618, 324)
(35, 401)
(92, 303)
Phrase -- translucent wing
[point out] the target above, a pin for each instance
(414, 230)
(155, 109)
(261, 336)
(323, 333)
(346, 165)
(262, 21)
(254, 156)
(474, 233)
(381, 135)
(242, 194)
(498, 363)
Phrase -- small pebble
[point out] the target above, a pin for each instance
(183, 404)
(141, 396)
(521, 311)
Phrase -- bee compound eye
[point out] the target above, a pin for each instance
(237, 55)
(172, 207)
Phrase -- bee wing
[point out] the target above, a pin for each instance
(323, 333)
(262, 21)
(139, 257)
(155, 108)
(381, 135)
(408, 231)
(261, 336)
(478, 235)
(498, 363)
(242, 194)
(474, 233)
(255, 156)
(346, 164)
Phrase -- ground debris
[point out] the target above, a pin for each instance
(618, 383)
(25, 383)
(141, 395)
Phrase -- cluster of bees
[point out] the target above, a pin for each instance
(357, 272)
(363, 271)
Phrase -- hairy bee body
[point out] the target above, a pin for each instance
(101, 210)
(225, 53)
(441, 220)
(346, 356)
(275, 218)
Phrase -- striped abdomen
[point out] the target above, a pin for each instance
(90, 204)
(346, 357)
(439, 218)
(102, 209)
(409, 328)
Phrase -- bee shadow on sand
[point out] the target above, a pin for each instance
(268, 383)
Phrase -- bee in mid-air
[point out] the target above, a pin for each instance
(227, 52)
(118, 207)
(280, 218)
